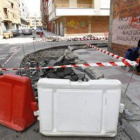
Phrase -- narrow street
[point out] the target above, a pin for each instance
(9, 46)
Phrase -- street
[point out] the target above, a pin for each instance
(24, 43)
(9, 46)
(12, 51)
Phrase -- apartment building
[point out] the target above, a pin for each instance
(78, 17)
(9, 15)
(1, 17)
(44, 12)
(24, 15)
(35, 20)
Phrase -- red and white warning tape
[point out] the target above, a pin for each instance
(89, 38)
(11, 57)
(112, 54)
(109, 64)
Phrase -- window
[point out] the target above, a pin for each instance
(12, 5)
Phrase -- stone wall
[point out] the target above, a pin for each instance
(125, 25)
(76, 25)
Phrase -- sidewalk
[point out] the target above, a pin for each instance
(131, 98)
(47, 33)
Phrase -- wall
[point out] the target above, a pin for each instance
(99, 24)
(62, 3)
(16, 13)
(81, 25)
(76, 25)
(1, 13)
(125, 26)
(87, 25)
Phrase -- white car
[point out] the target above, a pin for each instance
(27, 31)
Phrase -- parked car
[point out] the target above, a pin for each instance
(19, 31)
(7, 34)
(27, 31)
(15, 33)
(39, 30)
(22, 31)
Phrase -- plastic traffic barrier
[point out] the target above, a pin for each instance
(78, 108)
(16, 102)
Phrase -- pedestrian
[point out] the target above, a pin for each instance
(41, 34)
(137, 72)
(133, 54)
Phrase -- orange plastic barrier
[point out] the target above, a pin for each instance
(16, 102)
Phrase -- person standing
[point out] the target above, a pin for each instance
(137, 72)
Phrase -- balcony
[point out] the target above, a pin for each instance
(7, 15)
(76, 9)
(74, 6)
(7, 18)
(75, 12)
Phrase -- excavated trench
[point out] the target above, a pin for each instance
(57, 57)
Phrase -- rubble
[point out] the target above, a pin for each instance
(63, 56)
(89, 35)
(72, 48)
(55, 39)
(93, 73)
(59, 38)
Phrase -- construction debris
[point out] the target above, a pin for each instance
(56, 57)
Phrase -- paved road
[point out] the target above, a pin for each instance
(7, 49)
(9, 46)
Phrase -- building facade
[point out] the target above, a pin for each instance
(9, 15)
(35, 20)
(24, 15)
(44, 12)
(124, 25)
(1, 19)
(78, 17)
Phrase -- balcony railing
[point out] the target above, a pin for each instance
(74, 6)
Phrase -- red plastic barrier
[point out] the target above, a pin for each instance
(16, 99)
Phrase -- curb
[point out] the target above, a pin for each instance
(130, 130)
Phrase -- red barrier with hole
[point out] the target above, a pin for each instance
(16, 99)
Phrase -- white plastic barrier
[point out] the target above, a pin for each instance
(79, 108)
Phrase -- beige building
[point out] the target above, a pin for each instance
(35, 20)
(9, 15)
(44, 12)
(24, 13)
(78, 17)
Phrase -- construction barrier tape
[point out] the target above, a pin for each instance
(109, 64)
(11, 56)
(112, 54)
